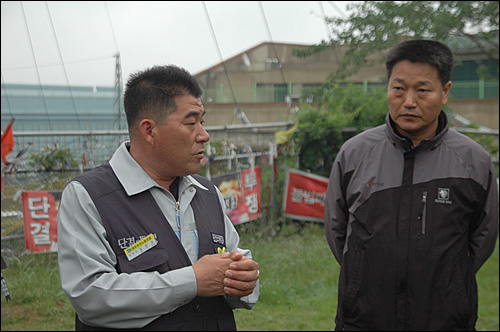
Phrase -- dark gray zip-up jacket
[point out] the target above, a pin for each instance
(410, 227)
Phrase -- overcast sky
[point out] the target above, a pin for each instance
(85, 35)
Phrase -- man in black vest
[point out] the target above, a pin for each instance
(144, 242)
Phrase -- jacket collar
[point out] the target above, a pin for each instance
(194, 182)
(406, 144)
(133, 177)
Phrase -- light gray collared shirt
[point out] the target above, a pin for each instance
(100, 295)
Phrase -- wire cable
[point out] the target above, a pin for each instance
(280, 65)
(56, 65)
(37, 71)
(111, 25)
(64, 67)
(6, 95)
(118, 78)
(221, 59)
(337, 9)
(328, 32)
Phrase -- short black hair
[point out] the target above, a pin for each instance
(432, 52)
(151, 92)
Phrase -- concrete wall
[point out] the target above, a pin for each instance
(225, 114)
(262, 69)
(482, 112)
(258, 66)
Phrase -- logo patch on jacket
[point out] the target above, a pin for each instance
(217, 238)
(443, 196)
(219, 243)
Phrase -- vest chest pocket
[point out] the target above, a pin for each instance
(150, 260)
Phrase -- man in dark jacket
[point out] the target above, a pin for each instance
(412, 207)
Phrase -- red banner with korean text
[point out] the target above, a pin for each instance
(251, 185)
(242, 194)
(305, 195)
(40, 220)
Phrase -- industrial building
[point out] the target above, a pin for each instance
(261, 85)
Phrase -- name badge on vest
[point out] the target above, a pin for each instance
(218, 241)
(140, 247)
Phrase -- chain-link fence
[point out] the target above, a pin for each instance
(273, 163)
(15, 184)
(224, 158)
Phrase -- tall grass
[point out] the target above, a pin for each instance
(38, 301)
(298, 277)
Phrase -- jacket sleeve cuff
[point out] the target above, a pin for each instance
(184, 282)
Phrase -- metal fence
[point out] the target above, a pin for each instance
(93, 147)
(232, 159)
(101, 144)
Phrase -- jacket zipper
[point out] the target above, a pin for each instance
(424, 211)
(178, 219)
(178, 214)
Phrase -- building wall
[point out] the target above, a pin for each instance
(255, 83)
(45, 108)
(482, 112)
(263, 68)
(225, 114)
(249, 78)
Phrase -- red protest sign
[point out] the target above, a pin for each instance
(242, 194)
(251, 184)
(305, 196)
(40, 221)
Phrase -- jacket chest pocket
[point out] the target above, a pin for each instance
(149, 260)
(423, 213)
(444, 210)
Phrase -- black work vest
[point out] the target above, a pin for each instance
(139, 215)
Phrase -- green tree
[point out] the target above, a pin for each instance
(321, 130)
(373, 28)
(376, 26)
(51, 158)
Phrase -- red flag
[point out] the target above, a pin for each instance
(7, 141)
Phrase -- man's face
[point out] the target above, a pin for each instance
(182, 136)
(416, 96)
